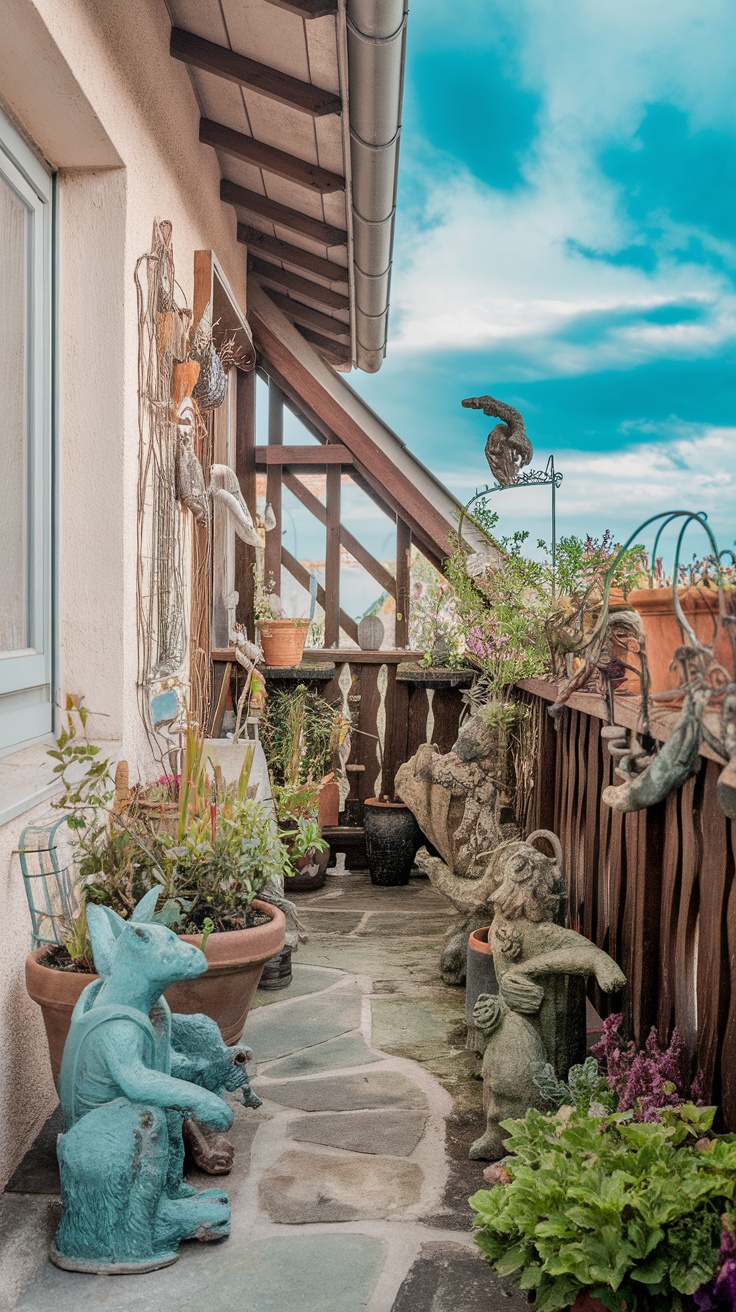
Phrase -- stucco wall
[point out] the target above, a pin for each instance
(91, 85)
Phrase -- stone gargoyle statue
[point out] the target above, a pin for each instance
(458, 801)
(538, 1015)
(126, 1093)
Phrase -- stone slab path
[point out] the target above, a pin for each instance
(349, 1192)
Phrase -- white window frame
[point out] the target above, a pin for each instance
(26, 677)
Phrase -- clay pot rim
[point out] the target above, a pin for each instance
(283, 624)
(376, 801)
(221, 949)
(698, 597)
(480, 944)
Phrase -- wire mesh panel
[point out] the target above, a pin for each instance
(47, 875)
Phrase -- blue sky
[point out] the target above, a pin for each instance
(566, 240)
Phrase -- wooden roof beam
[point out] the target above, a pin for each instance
(270, 248)
(254, 203)
(225, 63)
(291, 282)
(312, 318)
(350, 543)
(338, 353)
(302, 575)
(307, 8)
(269, 158)
(331, 453)
(429, 528)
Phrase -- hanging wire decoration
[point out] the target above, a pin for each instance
(163, 328)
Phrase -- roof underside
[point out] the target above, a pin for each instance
(312, 183)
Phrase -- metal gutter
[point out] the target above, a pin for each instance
(376, 49)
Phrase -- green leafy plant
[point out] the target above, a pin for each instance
(584, 1088)
(299, 731)
(629, 1211)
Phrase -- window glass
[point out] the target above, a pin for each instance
(14, 366)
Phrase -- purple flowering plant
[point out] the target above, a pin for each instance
(646, 1081)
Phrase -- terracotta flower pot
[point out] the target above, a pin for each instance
(283, 641)
(663, 634)
(328, 813)
(584, 1303)
(392, 837)
(480, 978)
(225, 992)
(235, 961)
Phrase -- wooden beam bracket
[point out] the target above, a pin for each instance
(225, 63)
(269, 158)
(332, 453)
(233, 194)
(312, 318)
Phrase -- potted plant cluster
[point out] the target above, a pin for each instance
(211, 867)
(301, 733)
(620, 1199)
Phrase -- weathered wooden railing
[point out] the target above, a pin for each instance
(654, 888)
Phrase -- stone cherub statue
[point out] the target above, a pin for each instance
(508, 448)
(126, 1093)
(538, 1015)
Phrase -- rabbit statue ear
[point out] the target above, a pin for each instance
(104, 933)
(143, 912)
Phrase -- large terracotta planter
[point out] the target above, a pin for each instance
(392, 837)
(225, 992)
(235, 962)
(663, 634)
(328, 813)
(283, 641)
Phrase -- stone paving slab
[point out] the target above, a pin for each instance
(350, 1050)
(389, 1131)
(304, 1023)
(305, 980)
(304, 1187)
(400, 1022)
(293, 1274)
(329, 921)
(448, 1277)
(399, 924)
(347, 1093)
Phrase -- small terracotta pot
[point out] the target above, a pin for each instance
(392, 837)
(328, 814)
(225, 992)
(663, 634)
(283, 641)
(584, 1303)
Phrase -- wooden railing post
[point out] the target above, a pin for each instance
(332, 557)
(272, 560)
(403, 582)
(245, 468)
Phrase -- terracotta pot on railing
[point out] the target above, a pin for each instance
(283, 641)
(225, 992)
(663, 634)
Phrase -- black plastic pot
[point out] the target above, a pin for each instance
(480, 978)
(392, 837)
(277, 971)
(311, 873)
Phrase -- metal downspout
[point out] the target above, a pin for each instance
(376, 45)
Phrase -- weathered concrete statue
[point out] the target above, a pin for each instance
(458, 801)
(125, 1094)
(539, 1013)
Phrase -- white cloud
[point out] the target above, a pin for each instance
(484, 267)
(691, 467)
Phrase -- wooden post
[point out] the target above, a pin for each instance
(245, 468)
(272, 565)
(403, 582)
(332, 557)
